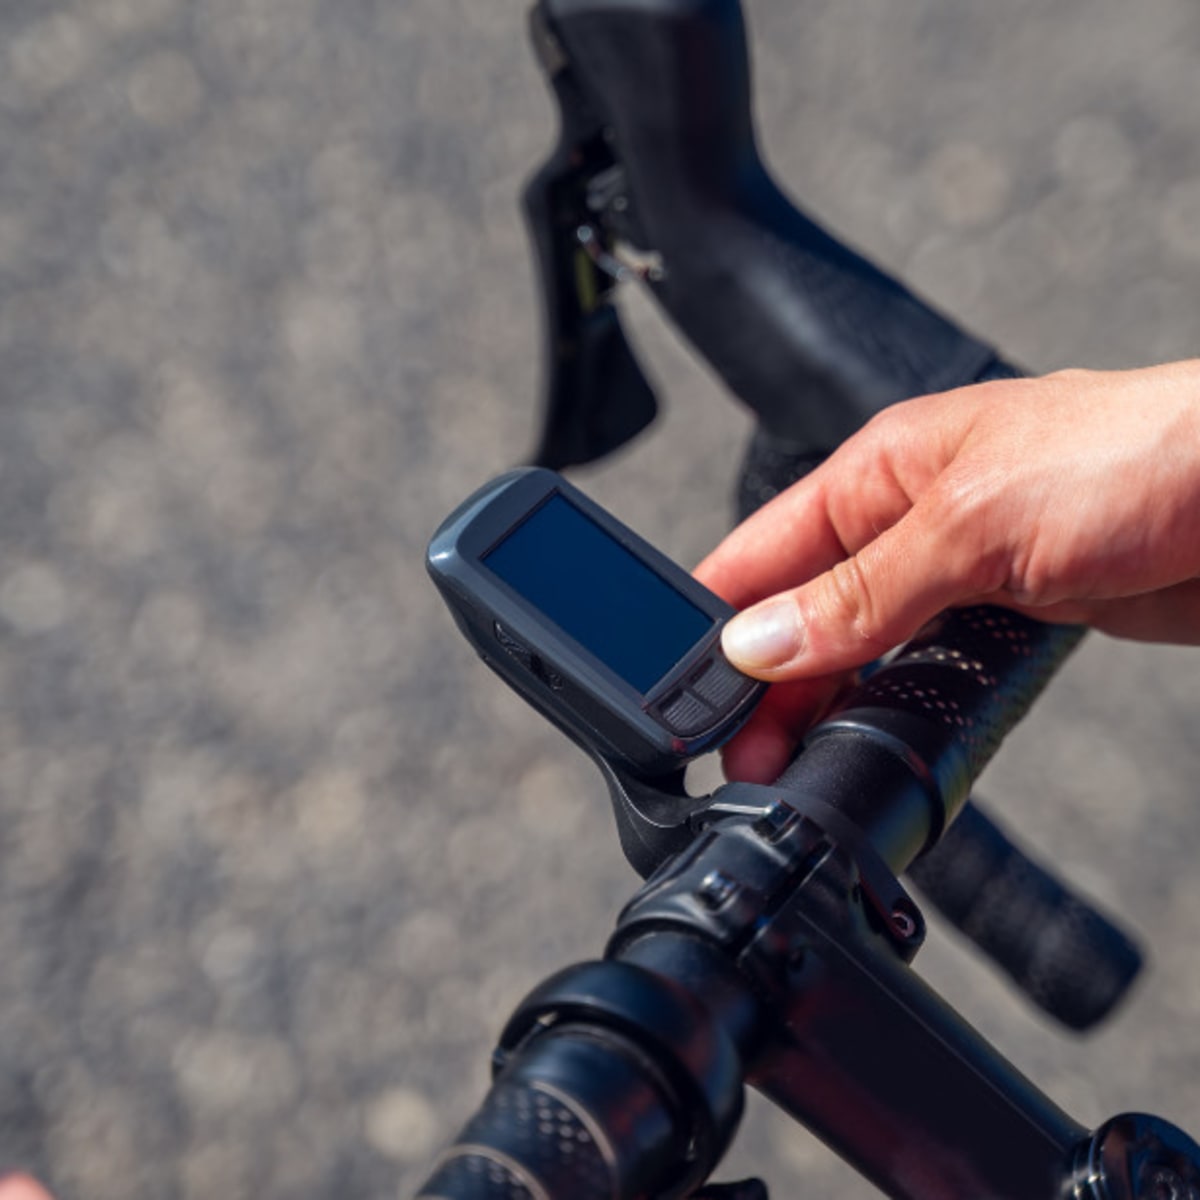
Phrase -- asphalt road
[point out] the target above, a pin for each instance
(277, 856)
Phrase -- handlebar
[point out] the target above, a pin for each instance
(931, 717)
(555, 1126)
(1066, 956)
(610, 1082)
(658, 153)
(630, 1071)
(773, 950)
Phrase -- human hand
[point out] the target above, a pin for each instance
(21, 1187)
(1073, 498)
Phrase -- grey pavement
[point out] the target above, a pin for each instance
(277, 856)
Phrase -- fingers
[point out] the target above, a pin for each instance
(867, 485)
(861, 607)
(759, 754)
(784, 543)
(767, 743)
(21, 1187)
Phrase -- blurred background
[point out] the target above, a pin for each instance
(277, 855)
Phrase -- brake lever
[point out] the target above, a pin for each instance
(583, 231)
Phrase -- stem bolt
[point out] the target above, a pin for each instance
(716, 890)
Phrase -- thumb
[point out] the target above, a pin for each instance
(861, 608)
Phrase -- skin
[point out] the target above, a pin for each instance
(1073, 498)
(21, 1187)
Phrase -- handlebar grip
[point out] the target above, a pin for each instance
(555, 1126)
(502, 1152)
(1067, 957)
(902, 752)
(771, 464)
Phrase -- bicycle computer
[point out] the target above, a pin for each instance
(607, 637)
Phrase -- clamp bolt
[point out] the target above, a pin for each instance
(716, 889)
(904, 923)
(775, 821)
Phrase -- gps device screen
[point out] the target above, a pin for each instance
(602, 633)
(597, 592)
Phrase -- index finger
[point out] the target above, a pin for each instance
(820, 520)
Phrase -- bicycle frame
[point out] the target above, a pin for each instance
(771, 944)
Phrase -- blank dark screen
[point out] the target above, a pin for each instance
(593, 589)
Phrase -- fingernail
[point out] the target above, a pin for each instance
(766, 636)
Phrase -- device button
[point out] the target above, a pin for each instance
(720, 684)
(686, 714)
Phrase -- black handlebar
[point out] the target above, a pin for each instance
(602, 1076)
(773, 950)
(658, 151)
(933, 716)
(611, 1082)
(1067, 957)
(557, 1124)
